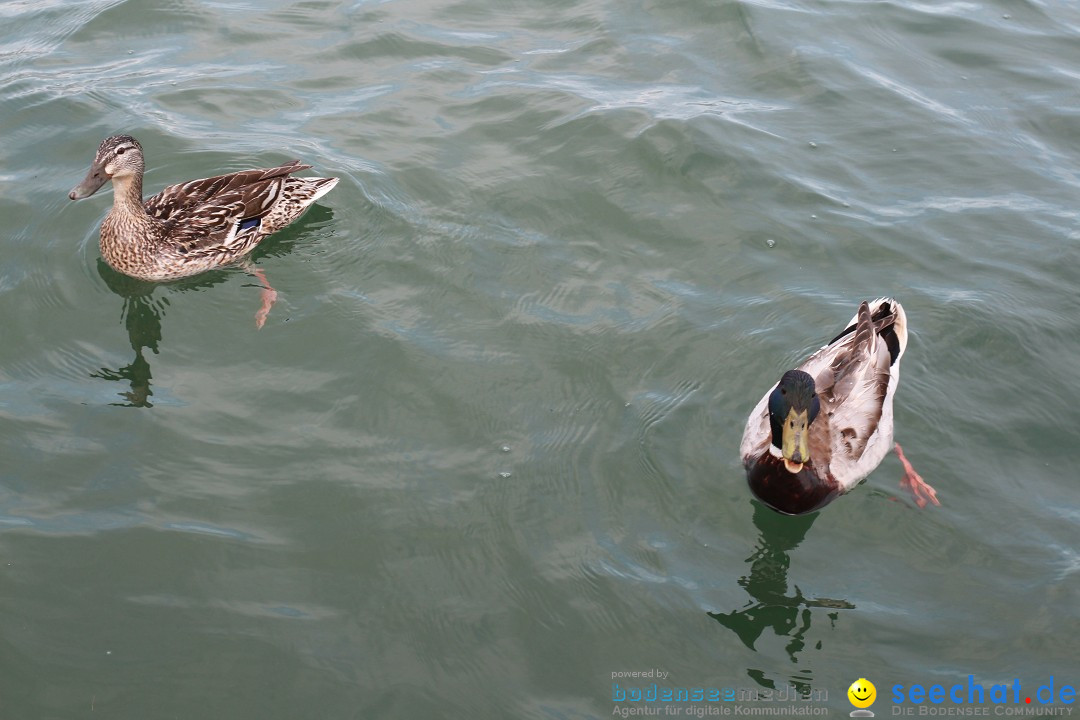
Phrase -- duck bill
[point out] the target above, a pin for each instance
(796, 446)
(90, 184)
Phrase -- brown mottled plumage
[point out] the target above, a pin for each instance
(195, 226)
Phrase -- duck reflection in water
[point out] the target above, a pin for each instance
(142, 315)
(789, 615)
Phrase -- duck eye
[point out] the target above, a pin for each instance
(783, 391)
(120, 151)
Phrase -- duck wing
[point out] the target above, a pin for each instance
(220, 216)
(856, 376)
(182, 199)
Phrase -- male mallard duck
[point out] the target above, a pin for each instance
(195, 226)
(827, 424)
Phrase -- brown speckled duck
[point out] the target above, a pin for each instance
(829, 423)
(195, 226)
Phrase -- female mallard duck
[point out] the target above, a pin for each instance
(827, 424)
(195, 226)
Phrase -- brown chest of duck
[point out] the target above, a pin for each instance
(787, 478)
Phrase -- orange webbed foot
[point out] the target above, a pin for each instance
(268, 297)
(921, 492)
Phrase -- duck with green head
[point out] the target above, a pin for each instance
(828, 423)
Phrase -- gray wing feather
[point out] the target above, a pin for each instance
(854, 381)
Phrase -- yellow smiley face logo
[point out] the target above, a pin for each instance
(862, 693)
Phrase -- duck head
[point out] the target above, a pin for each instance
(119, 157)
(793, 405)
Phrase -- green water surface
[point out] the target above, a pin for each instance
(484, 453)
